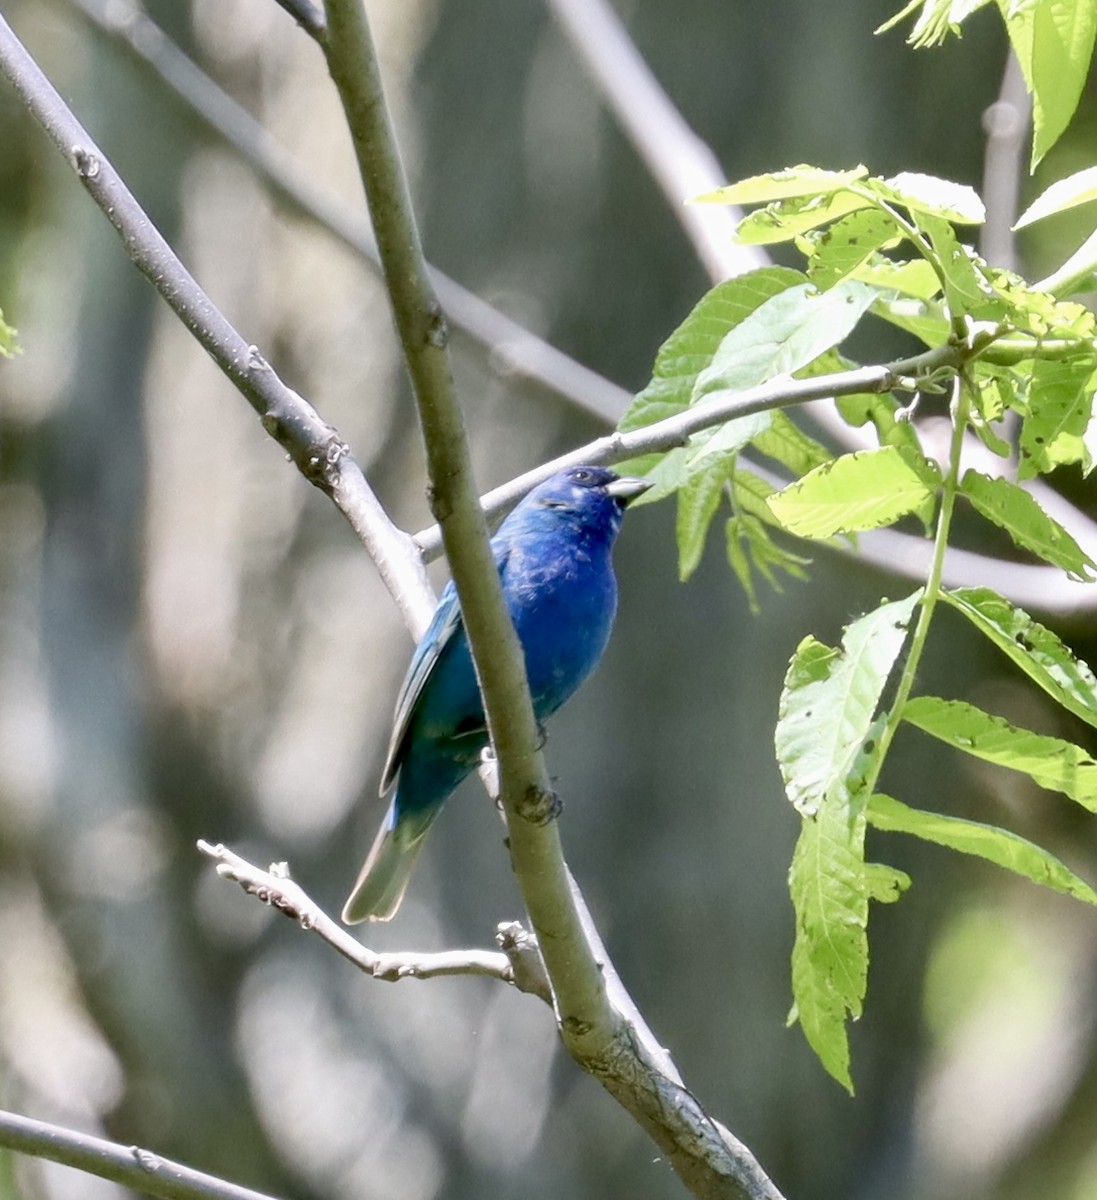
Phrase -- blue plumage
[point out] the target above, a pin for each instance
(554, 559)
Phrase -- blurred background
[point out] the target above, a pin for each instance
(193, 644)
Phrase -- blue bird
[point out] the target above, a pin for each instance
(554, 558)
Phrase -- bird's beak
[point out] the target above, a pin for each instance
(627, 488)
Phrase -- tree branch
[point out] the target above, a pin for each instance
(597, 1035)
(129, 1165)
(518, 963)
(315, 446)
(511, 350)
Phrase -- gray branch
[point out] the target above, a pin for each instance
(128, 1165)
(314, 445)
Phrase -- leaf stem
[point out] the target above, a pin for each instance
(960, 408)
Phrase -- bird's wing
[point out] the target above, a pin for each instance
(440, 633)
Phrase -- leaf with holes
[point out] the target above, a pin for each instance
(1049, 761)
(988, 842)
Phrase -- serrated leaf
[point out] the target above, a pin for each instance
(698, 500)
(830, 953)
(915, 278)
(829, 699)
(690, 348)
(750, 547)
(781, 185)
(988, 842)
(783, 335)
(1037, 312)
(784, 220)
(1053, 431)
(966, 287)
(1049, 761)
(786, 443)
(1020, 515)
(840, 249)
(1053, 41)
(1043, 657)
(1064, 194)
(926, 194)
(855, 492)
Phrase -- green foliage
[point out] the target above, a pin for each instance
(998, 846)
(1020, 363)
(8, 344)
(1053, 41)
(827, 741)
(1048, 761)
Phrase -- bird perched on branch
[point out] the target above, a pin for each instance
(554, 558)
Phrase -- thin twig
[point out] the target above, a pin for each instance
(308, 15)
(677, 430)
(274, 886)
(131, 1166)
(320, 454)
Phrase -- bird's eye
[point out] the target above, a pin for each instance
(582, 475)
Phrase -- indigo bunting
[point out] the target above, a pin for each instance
(553, 554)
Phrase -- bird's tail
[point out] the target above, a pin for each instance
(384, 877)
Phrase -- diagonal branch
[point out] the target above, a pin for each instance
(314, 445)
(511, 349)
(129, 1165)
(596, 1033)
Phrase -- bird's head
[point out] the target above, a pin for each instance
(590, 497)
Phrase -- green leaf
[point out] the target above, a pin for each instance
(883, 411)
(783, 335)
(1035, 649)
(690, 348)
(1077, 274)
(885, 884)
(781, 185)
(830, 954)
(750, 547)
(8, 345)
(966, 287)
(936, 21)
(698, 500)
(783, 220)
(915, 278)
(1020, 515)
(1049, 761)
(725, 441)
(829, 699)
(855, 492)
(1054, 430)
(955, 202)
(786, 443)
(1064, 194)
(1053, 40)
(835, 252)
(926, 320)
(998, 846)
(1040, 314)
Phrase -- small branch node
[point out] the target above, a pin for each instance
(437, 326)
(539, 806)
(85, 162)
(145, 1159)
